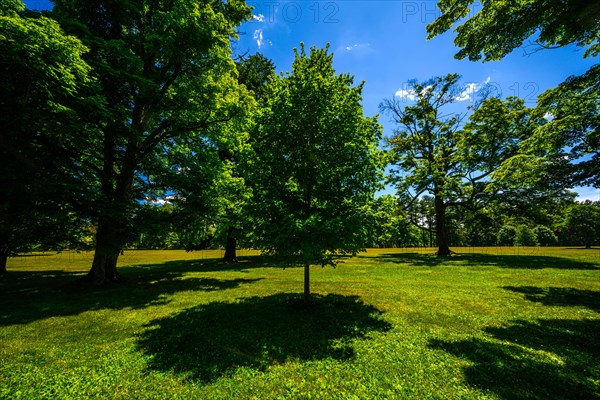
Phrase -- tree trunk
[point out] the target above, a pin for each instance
(441, 232)
(3, 261)
(306, 283)
(230, 247)
(104, 266)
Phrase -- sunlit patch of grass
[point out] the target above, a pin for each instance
(505, 323)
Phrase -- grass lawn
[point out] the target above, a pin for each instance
(487, 323)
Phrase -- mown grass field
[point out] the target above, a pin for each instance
(487, 323)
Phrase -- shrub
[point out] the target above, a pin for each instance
(545, 236)
(525, 236)
(506, 235)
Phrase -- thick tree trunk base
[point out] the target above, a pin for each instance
(231, 248)
(104, 270)
(444, 252)
(231, 251)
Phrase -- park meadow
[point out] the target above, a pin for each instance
(484, 323)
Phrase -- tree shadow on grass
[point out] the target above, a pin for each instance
(209, 341)
(545, 359)
(559, 296)
(244, 264)
(498, 260)
(27, 296)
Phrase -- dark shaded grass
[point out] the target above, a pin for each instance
(210, 341)
(511, 367)
(502, 261)
(27, 296)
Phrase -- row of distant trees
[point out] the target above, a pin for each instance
(554, 223)
(122, 120)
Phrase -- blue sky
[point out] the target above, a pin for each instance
(384, 44)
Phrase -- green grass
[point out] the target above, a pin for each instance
(495, 323)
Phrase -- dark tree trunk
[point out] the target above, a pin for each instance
(306, 282)
(441, 231)
(230, 247)
(3, 261)
(104, 266)
(117, 189)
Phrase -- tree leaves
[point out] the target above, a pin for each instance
(315, 162)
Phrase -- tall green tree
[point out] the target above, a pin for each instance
(168, 79)
(316, 164)
(43, 77)
(435, 152)
(254, 72)
(567, 147)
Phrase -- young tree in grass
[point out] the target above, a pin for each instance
(315, 166)
(167, 77)
(435, 153)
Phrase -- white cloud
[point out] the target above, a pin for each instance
(467, 94)
(258, 36)
(548, 116)
(471, 89)
(407, 94)
(260, 40)
(358, 47)
(426, 89)
(259, 18)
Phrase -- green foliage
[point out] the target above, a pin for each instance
(545, 236)
(43, 79)
(582, 222)
(316, 165)
(498, 27)
(525, 236)
(254, 72)
(485, 323)
(390, 226)
(507, 235)
(564, 149)
(569, 141)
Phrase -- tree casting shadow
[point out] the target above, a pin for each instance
(497, 260)
(547, 359)
(207, 341)
(27, 296)
(558, 296)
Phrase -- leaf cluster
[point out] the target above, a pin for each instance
(315, 163)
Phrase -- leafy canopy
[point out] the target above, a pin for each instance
(500, 26)
(316, 163)
(43, 78)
